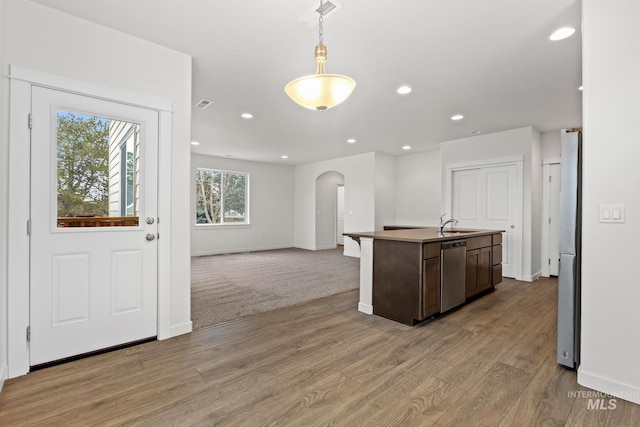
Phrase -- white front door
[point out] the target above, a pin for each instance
(487, 198)
(93, 245)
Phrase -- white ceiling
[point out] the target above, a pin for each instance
(489, 60)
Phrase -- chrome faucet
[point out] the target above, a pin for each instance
(450, 221)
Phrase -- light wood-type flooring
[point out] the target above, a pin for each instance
(319, 363)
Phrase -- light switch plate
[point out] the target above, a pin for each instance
(611, 213)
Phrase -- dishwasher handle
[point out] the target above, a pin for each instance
(454, 244)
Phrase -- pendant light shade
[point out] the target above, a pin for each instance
(320, 91)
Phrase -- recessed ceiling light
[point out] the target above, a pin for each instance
(284, 156)
(403, 90)
(195, 143)
(351, 140)
(246, 115)
(406, 147)
(475, 132)
(562, 33)
(457, 117)
(580, 88)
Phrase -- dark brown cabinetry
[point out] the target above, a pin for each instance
(407, 272)
(496, 259)
(479, 265)
(478, 271)
(430, 280)
(406, 280)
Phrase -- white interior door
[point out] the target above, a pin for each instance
(340, 215)
(93, 224)
(487, 198)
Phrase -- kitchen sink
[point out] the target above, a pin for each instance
(453, 232)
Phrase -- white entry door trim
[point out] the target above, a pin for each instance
(518, 162)
(21, 84)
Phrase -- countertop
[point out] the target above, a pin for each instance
(423, 235)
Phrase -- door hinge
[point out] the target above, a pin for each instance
(549, 220)
(28, 227)
(30, 121)
(158, 236)
(549, 178)
(29, 333)
(549, 261)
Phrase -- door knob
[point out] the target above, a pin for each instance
(150, 220)
(513, 226)
(150, 236)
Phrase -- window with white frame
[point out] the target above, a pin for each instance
(221, 197)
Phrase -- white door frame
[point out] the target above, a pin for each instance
(518, 162)
(546, 174)
(21, 82)
(339, 237)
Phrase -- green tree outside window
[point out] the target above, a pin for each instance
(221, 197)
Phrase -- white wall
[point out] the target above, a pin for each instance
(551, 145)
(270, 209)
(4, 187)
(385, 190)
(45, 40)
(610, 285)
(359, 203)
(327, 209)
(418, 188)
(536, 206)
(515, 142)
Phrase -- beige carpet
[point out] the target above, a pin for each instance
(226, 287)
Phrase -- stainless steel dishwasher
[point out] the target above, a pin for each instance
(453, 274)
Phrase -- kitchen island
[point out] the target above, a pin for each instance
(409, 274)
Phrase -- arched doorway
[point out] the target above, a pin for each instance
(327, 205)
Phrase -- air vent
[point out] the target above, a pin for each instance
(311, 17)
(203, 103)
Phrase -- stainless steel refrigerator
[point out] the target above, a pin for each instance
(568, 350)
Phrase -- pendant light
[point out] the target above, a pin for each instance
(320, 91)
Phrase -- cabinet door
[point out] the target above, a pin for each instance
(431, 287)
(472, 272)
(484, 269)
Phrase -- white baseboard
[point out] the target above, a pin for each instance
(532, 278)
(365, 308)
(4, 374)
(240, 250)
(352, 254)
(608, 386)
(181, 329)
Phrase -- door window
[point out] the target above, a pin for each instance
(98, 171)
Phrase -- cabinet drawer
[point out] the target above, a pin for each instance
(497, 255)
(496, 239)
(496, 274)
(431, 250)
(478, 242)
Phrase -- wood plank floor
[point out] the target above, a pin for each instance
(490, 363)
